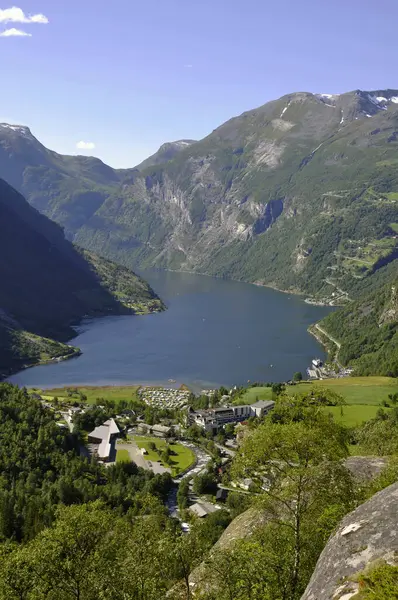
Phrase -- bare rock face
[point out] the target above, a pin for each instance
(366, 468)
(367, 535)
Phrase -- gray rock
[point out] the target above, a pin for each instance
(368, 534)
(366, 468)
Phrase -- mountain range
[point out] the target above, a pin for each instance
(47, 284)
(300, 194)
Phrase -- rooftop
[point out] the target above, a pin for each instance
(104, 433)
(263, 404)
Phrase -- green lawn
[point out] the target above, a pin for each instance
(183, 458)
(356, 390)
(110, 392)
(122, 456)
(363, 396)
(354, 414)
(253, 394)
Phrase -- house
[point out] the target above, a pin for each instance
(156, 430)
(215, 418)
(222, 495)
(103, 439)
(262, 407)
(201, 510)
(161, 430)
(144, 451)
(317, 362)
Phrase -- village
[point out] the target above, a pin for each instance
(164, 397)
(320, 370)
(195, 447)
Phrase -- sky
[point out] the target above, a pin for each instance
(116, 79)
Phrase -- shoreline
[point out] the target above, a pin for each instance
(311, 300)
(73, 331)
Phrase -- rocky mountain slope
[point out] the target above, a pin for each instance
(300, 194)
(47, 284)
(367, 538)
(166, 152)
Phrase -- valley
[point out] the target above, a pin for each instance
(214, 332)
(298, 194)
(199, 301)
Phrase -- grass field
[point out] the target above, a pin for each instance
(357, 390)
(122, 456)
(110, 392)
(354, 390)
(253, 394)
(183, 458)
(353, 414)
(363, 396)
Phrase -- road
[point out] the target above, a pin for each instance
(225, 449)
(134, 453)
(334, 341)
(326, 334)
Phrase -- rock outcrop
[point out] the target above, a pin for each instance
(243, 526)
(366, 468)
(367, 535)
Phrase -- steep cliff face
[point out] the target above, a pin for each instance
(46, 284)
(299, 193)
(289, 194)
(365, 537)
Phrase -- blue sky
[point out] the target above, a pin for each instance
(128, 75)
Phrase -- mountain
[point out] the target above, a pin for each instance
(300, 194)
(367, 330)
(47, 284)
(165, 153)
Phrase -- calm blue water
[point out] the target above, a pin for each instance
(214, 332)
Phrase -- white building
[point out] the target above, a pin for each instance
(104, 437)
(214, 418)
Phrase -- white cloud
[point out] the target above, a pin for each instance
(85, 145)
(188, 66)
(15, 33)
(17, 15)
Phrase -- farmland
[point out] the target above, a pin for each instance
(363, 395)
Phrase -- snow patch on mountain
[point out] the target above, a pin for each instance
(285, 109)
(17, 128)
(328, 95)
(378, 101)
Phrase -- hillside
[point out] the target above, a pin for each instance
(166, 152)
(368, 331)
(299, 194)
(46, 284)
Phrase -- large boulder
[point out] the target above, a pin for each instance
(367, 535)
(366, 468)
(243, 526)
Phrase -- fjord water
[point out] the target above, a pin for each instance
(214, 332)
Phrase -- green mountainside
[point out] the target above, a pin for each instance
(300, 194)
(368, 331)
(166, 152)
(47, 284)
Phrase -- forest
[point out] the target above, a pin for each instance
(71, 528)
